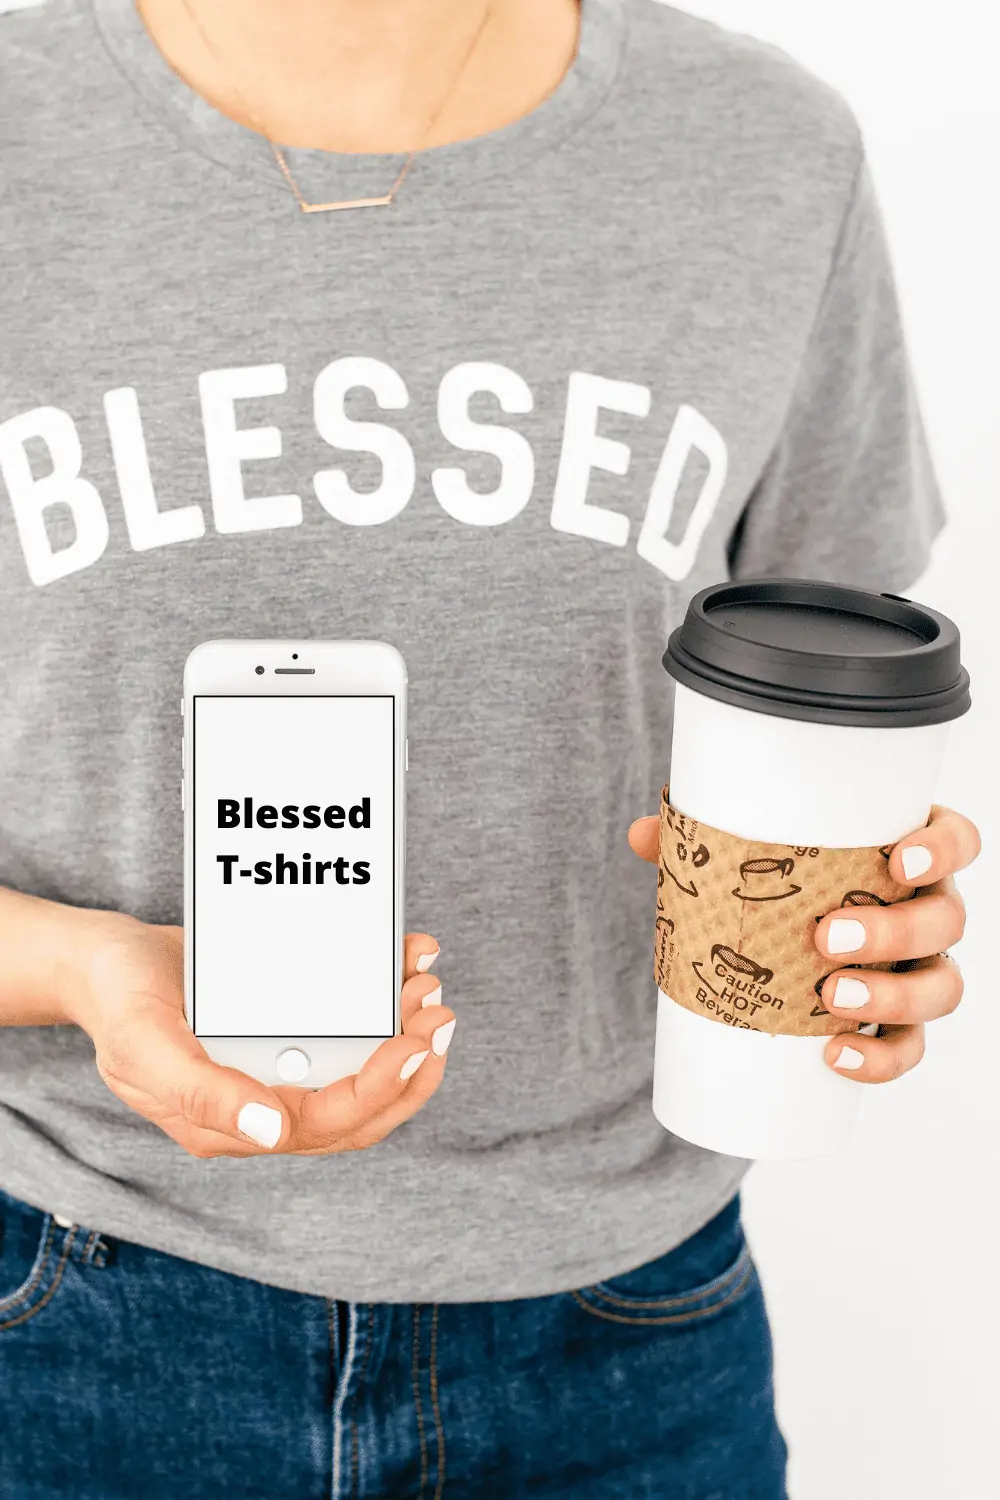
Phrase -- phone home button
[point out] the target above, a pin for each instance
(292, 1065)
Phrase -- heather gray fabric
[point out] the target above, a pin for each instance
(668, 294)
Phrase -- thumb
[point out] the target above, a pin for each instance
(644, 839)
(151, 1059)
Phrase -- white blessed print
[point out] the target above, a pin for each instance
(230, 448)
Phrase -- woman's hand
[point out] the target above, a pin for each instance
(121, 980)
(915, 933)
(132, 1005)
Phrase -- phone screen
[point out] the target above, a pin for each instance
(294, 879)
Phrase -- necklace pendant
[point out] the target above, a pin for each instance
(332, 208)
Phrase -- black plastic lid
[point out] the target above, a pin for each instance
(800, 649)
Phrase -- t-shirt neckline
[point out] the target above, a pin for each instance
(325, 175)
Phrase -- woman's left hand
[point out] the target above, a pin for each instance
(918, 931)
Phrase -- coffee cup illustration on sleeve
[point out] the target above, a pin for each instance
(741, 963)
(862, 898)
(766, 880)
(809, 727)
(727, 963)
(858, 898)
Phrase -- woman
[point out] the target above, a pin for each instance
(619, 323)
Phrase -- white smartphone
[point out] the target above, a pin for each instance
(293, 790)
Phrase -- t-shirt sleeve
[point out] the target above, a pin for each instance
(849, 494)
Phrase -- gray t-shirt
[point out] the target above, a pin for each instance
(584, 366)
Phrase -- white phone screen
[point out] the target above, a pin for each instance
(293, 866)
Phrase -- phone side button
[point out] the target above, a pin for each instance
(293, 1065)
(182, 794)
(406, 755)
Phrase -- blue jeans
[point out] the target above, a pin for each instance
(126, 1374)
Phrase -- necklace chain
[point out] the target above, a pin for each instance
(279, 155)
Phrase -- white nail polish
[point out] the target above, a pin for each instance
(845, 936)
(442, 1037)
(850, 1057)
(260, 1123)
(411, 1065)
(850, 994)
(916, 861)
(434, 998)
(425, 960)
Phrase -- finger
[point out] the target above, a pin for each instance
(422, 991)
(644, 839)
(918, 928)
(948, 844)
(880, 1059)
(150, 1058)
(438, 1030)
(420, 1088)
(933, 988)
(433, 1025)
(328, 1117)
(419, 952)
(423, 1086)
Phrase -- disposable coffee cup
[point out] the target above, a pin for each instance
(812, 716)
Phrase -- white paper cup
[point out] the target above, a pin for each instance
(789, 780)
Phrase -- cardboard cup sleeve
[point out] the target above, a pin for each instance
(736, 921)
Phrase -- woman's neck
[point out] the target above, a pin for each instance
(368, 75)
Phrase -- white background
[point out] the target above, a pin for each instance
(293, 960)
(881, 1266)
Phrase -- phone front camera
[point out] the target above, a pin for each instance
(259, 671)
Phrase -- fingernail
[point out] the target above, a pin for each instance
(260, 1123)
(917, 860)
(425, 960)
(434, 998)
(850, 1057)
(442, 1037)
(849, 994)
(411, 1065)
(845, 935)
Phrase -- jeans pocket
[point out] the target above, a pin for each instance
(633, 1297)
(34, 1252)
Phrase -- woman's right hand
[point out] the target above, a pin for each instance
(121, 980)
